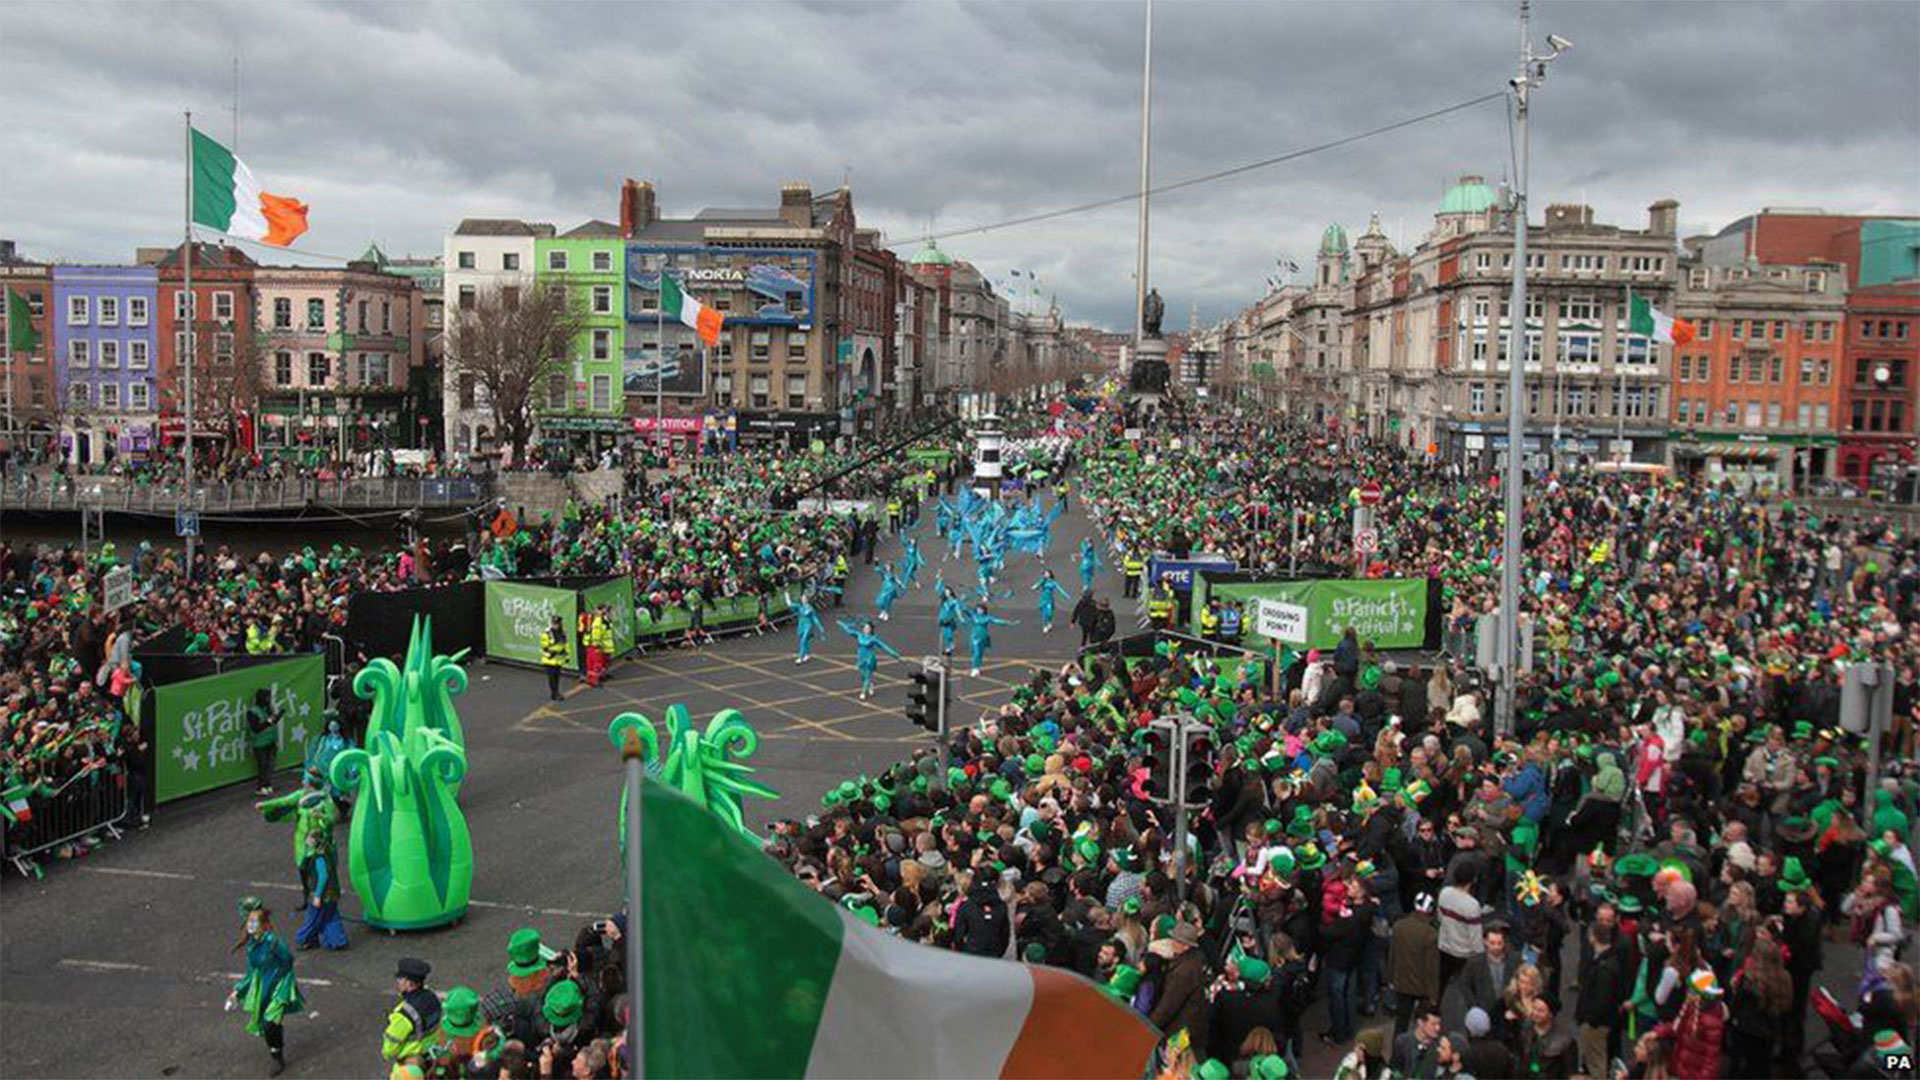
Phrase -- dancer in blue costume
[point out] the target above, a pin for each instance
(806, 623)
(910, 566)
(890, 589)
(867, 650)
(1089, 563)
(1049, 589)
(982, 621)
(951, 612)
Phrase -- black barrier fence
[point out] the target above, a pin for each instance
(381, 623)
(92, 802)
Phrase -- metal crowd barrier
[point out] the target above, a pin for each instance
(31, 492)
(92, 801)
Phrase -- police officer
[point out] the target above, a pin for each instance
(1136, 569)
(414, 1024)
(1160, 607)
(553, 655)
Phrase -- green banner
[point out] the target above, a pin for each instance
(617, 594)
(518, 614)
(1392, 614)
(929, 455)
(200, 736)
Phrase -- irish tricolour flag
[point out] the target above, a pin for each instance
(676, 304)
(228, 198)
(1650, 321)
(750, 973)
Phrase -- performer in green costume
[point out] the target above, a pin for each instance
(268, 992)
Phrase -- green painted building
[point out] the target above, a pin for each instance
(583, 404)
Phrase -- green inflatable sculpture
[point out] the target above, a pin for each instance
(410, 858)
(698, 762)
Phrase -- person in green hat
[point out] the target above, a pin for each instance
(561, 1028)
(528, 967)
(268, 991)
(466, 1038)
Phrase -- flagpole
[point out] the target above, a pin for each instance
(660, 360)
(187, 287)
(1619, 404)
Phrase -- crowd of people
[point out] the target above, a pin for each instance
(1664, 869)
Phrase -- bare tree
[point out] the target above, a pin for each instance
(510, 341)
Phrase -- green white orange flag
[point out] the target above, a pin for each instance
(21, 336)
(701, 319)
(228, 198)
(750, 973)
(1650, 321)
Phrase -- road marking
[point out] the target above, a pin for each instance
(129, 872)
(104, 967)
(542, 911)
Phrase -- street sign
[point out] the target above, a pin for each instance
(117, 588)
(1370, 494)
(1279, 620)
(1366, 541)
(186, 523)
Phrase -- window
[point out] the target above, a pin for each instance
(1536, 260)
(1536, 308)
(109, 354)
(1579, 347)
(602, 262)
(1773, 414)
(283, 368)
(136, 311)
(182, 301)
(77, 395)
(722, 301)
(1533, 399)
(1896, 416)
(1643, 264)
(1731, 415)
(510, 260)
(79, 353)
(1806, 415)
(1756, 330)
(464, 260)
(1481, 305)
(223, 306)
(466, 391)
(316, 314)
(318, 369)
(759, 387)
(1483, 261)
(1900, 330)
(373, 369)
(1859, 416)
(793, 304)
(1477, 398)
(556, 391)
(762, 348)
(723, 386)
(139, 397)
(1821, 417)
(109, 311)
(1779, 328)
(1779, 372)
(1581, 263)
(137, 359)
(796, 391)
(469, 297)
(603, 299)
(282, 313)
(360, 316)
(110, 396)
(77, 311)
(223, 345)
(1756, 369)
(602, 344)
(1806, 372)
(1635, 349)
(1579, 309)
(1826, 331)
(1826, 372)
(1739, 329)
(1706, 329)
(796, 348)
(603, 393)
(556, 260)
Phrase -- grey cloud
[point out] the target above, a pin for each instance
(394, 120)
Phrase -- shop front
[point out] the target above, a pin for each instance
(583, 434)
(789, 429)
(1755, 461)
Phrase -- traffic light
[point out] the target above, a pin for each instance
(1157, 756)
(923, 698)
(1196, 787)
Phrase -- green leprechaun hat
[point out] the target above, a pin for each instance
(1793, 876)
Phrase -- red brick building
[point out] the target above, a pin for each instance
(1882, 353)
(29, 399)
(226, 368)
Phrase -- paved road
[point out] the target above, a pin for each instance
(117, 964)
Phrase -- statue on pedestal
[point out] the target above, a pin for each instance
(1151, 312)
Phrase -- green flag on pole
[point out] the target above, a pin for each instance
(21, 336)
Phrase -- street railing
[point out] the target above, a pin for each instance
(92, 801)
(31, 491)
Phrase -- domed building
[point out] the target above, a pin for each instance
(1469, 206)
(1332, 269)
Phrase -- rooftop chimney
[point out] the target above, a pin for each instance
(796, 205)
(637, 208)
(1569, 216)
(1663, 218)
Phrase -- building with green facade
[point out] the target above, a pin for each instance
(583, 405)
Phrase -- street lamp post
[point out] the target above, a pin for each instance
(1533, 70)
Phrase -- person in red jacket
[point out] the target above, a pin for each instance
(1698, 1030)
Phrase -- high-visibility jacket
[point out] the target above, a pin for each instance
(260, 640)
(1134, 567)
(1209, 622)
(412, 1026)
(893, 507)
(1160, 607)
(600, 634)
(553, 649)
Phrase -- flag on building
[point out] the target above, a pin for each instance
(1650, 321)
(21, 336)
(228, 198)
(701, 319)
(750, 973)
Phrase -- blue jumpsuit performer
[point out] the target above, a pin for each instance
(868, 647)
(983, 623)
(910, 566)
(890, 587)
(1049, 589)
(1089, 562)
(951, 612)
(806, 623)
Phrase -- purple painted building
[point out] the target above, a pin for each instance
(106, 352)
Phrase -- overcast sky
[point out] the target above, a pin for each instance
(393, 121)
